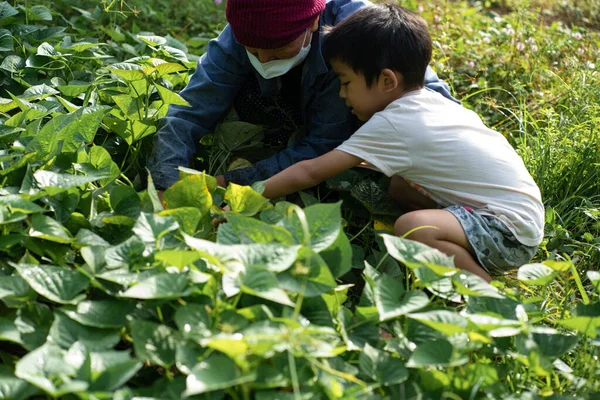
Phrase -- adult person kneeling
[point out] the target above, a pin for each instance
(267, 63)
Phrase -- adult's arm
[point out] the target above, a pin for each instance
(220, 74)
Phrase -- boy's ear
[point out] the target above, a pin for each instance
(389, 80)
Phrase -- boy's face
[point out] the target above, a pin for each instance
(363, 100)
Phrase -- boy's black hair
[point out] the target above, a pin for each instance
(377, 37)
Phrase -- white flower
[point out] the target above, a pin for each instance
(520, 46)
(577, 36)
(534, 48)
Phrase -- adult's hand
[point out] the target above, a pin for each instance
(221, 181)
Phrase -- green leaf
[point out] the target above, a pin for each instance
(238, 135)
(587, 325)
(54, 183)
(150, 228)
(46, 228)
(127, 253)
(6, 41)
(170, 97)
(112, 372)
(40, 13)
(324, 224)
(100, 313)
(33, 323)
(127, 71)
(431, 353)
(536, 274)
(392, 301)
(47, 368)
(65, 332)
(447, 322)
(6, 10)
(382, 367)
(124, 200)
(177, 258)
(16, 203)
(245, 230)
(13, 287)
(193, 320)
(310, 275)
(339, 255)
(552, 344)
(414, 254)
(262, 283)
(216, 373)
(12, 387)
(191, 191)
(243, 200)
(160, 286)
(154, 343)
(58, 284)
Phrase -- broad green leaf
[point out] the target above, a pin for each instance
(100, 313)
(40, 13)
(6, 41)
(170, 97)
(444, 321)
(552, 344)
(243, 200)
(9, 332)
(65, 332)
(13, 287)
(12, 387)
(6, 10)
(215, 373)
(124, 200)
(112, 372)
(54, 183)
(33, 323)
(161, 286)
(193, 320)
(324, 224)
(154, 343)
(338, 256)
(127, 253)
(587, 325)
(150, 228)
(131, 107)
(392, 301)
(153, 40)
(12, 63)
(382, 367)
(169, 68)
(472, 285)
(238, 135)
(262, 283)
(47, 367)
(61, 285)
(431, 353)
(17, 204)
(188, 218)
(191, 191)
(126, 71)
(46, 228)
(536, 274)
(310, 275)
(245, 230)
(414, 254)
(177, 258)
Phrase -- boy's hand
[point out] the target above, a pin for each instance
(221, 181)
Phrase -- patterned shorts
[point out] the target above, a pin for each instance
(495, 246)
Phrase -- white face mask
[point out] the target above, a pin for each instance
(275, 68)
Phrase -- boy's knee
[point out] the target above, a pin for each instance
(407, 222)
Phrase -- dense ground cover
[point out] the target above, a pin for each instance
(106, 294)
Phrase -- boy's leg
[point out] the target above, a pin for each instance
(450, 238)
(407, 197)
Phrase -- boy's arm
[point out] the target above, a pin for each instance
(309, 173)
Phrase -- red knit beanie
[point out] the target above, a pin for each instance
(270, 24)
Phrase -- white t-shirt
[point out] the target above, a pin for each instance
(447, 150)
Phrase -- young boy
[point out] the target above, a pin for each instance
(452, 171)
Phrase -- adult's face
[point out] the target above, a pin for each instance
(289, 50)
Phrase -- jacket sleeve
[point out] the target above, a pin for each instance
(329, 123)
(220, 74)
(436, 84)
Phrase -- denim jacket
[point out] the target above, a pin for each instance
(223, 70)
